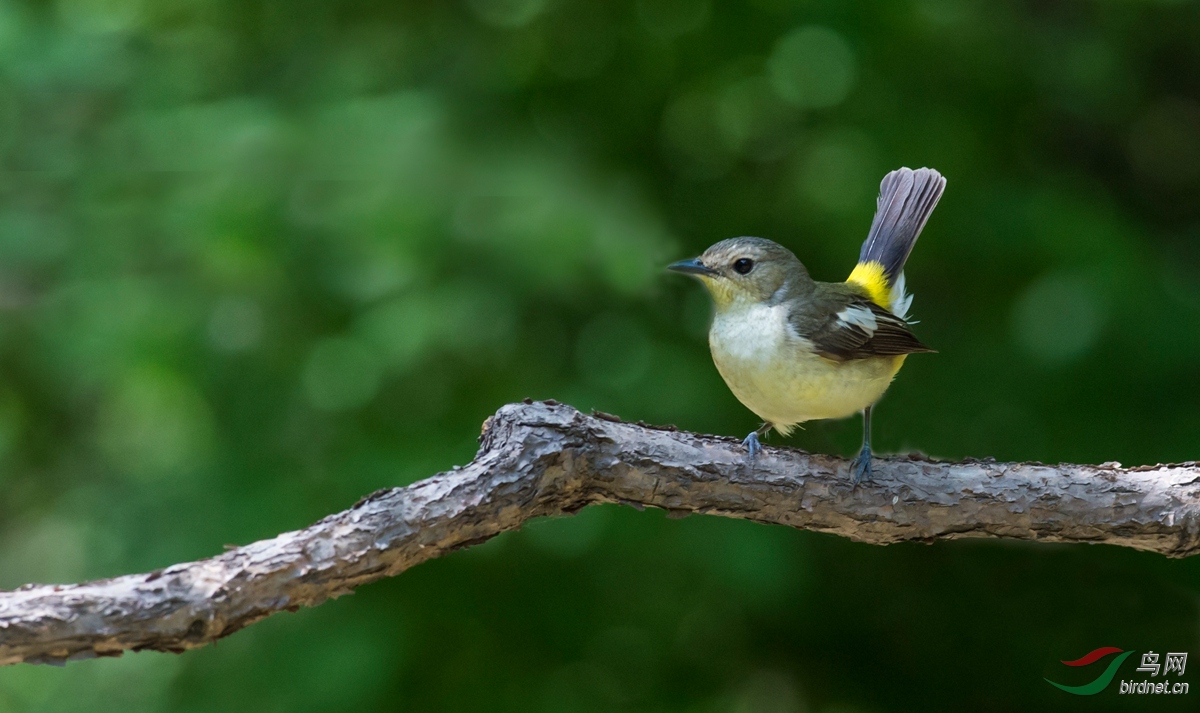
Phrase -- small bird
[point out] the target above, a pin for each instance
(793, 349)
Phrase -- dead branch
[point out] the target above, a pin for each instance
(539, 459)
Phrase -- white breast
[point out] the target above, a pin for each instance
(751, 334)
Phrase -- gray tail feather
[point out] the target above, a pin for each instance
(906, 198)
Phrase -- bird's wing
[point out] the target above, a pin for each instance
(857, 328)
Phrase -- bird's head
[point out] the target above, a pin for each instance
(745, 271)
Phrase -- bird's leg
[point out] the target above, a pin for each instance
(751, 442)
(860, 467)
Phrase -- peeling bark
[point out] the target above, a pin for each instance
(540, 459)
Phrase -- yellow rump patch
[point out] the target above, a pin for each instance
(869, 276)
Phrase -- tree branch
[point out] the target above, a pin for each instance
(540, 459)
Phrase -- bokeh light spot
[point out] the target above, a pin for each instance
(102, 16)
(235, 325)
(813, 68)
(837, 171)
(769, 692)
(155, 425)
(754, 121)
(1058, 318)
(695, 143)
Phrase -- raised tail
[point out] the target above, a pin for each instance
(906, 198)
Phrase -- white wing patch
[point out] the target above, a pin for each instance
(861, 317)
(900, 301)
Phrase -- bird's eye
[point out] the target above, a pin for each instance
(743, 266)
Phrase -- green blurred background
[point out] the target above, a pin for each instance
(261, 257)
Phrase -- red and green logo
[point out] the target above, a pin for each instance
(1106, 676)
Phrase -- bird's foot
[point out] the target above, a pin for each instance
(860, 467)
(753, 447)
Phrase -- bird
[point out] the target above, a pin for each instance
(793, 349)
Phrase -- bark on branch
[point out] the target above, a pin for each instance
(540, 459)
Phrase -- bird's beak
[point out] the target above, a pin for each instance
(692, 267)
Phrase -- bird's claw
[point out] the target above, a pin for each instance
(860, 467)
(753, 447)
